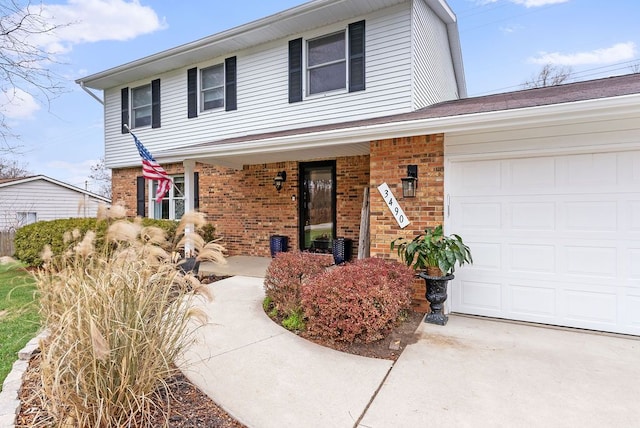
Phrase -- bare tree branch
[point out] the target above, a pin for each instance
(25, 65)
(102, 174)
(550, 75)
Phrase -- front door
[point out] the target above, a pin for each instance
(317, 206)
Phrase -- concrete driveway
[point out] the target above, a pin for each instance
(476, 372)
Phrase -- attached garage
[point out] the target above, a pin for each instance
(550, 204)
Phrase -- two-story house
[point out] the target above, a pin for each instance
(281, 126)
(227, 114)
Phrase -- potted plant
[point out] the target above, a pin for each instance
(435, 256)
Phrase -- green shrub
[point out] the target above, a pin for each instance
(285, 275)
(117, 318)
(357, 302)
(30, 240)
(294, 321)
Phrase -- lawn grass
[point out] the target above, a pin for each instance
(19, 319)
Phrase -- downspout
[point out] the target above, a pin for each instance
(94, 96)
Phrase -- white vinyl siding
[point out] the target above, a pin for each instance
(434, 78)
(552, 215)
(262, 93)
(47, 200)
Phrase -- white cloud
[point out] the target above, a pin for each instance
(616, 53)
(17, 104)
(87, 21)
(526, 3)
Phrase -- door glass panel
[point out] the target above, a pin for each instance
(317, 208)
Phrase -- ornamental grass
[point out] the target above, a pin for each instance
(117, 320)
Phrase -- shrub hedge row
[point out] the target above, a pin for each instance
(356, 302)
(31, 239)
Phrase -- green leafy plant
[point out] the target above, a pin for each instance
(433, 251)
(294, 321)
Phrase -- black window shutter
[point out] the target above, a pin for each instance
(140, 199)
(196, 191)
(356, 57)
(230, 84)
(124, 100)
(295, 70)
(192, 92)
(155, 103)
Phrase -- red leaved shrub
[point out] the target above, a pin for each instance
(285, 275)
(357, 302)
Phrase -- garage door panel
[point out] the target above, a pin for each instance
(486, 296)
(632, 217)
(533, 216)
(591, 216)
(481, 215)
(631, 308)
(533, 301)
(633, 260)
(532, 258)
(532, 173)
(556, 240)
(590, 307)
(486, 255)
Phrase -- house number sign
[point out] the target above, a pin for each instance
(393, 205)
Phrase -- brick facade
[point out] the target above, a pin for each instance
(246, 208)
(389, 160)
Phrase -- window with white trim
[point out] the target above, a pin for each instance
(172, 205)
(141, 106)
(212, 87)
(26, 217)
(327, 63)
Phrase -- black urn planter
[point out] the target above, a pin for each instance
(436, 295)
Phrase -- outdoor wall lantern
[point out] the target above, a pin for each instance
(410, 182)
(280, 178)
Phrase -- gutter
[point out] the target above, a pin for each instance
(94, 96)
(589, 110)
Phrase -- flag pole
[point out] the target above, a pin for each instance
(173, 185)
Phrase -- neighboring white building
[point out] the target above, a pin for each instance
(29, 199)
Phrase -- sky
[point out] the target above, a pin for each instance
(504, 44)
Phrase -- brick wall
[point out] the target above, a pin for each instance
(246, 208)
(389, 160)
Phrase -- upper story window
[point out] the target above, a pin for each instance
(212, 87)
(141, 106)
(330, 63)
(327, 63)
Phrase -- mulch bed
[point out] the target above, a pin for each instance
(187, 406)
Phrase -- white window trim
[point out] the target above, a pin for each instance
(151, 199)
(201, 90)
(305, 58)
(133, 109)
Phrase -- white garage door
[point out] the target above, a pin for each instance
(555, 239)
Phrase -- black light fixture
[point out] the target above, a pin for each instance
(280, 178)
(410, 182)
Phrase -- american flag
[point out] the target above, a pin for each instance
(151, 170)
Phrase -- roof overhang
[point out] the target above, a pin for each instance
(345, 140)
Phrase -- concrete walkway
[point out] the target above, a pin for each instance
(471, 373)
